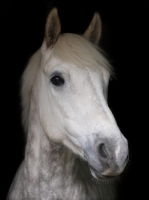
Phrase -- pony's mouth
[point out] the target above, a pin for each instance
(96, 174)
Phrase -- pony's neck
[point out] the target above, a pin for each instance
(49, 165)
(32, 154)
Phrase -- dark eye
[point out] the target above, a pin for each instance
(57, 80)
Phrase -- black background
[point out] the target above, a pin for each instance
(123, 39)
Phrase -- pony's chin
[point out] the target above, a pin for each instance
(98, 175)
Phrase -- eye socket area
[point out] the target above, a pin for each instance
(57, 80)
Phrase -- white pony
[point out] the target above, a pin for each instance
(73, 142)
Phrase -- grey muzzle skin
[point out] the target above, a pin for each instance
(107, 159)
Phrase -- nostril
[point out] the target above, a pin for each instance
(102, 150)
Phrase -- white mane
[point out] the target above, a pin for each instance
(76, 49)
(28, 78)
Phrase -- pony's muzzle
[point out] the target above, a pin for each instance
(113, 164)
(108, 159)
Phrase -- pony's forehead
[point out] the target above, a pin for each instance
(72, 49)
(58, 64)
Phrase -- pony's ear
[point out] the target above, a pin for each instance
(52, 28)
(93, 32)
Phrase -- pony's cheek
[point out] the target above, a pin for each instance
(52, 128)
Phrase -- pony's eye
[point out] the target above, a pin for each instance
(57, 80)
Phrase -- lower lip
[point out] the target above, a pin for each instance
(99, 175)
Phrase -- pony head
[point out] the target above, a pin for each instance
(71, 96)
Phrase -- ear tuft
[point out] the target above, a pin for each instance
(53, 28)
(93, 32)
